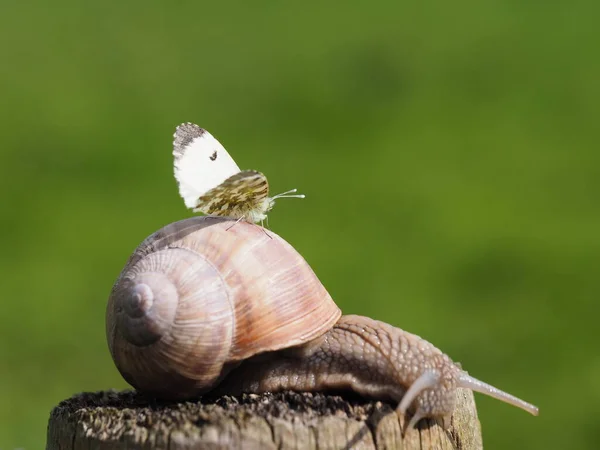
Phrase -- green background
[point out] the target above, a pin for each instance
(449, 153)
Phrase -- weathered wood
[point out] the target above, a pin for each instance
(119, 420)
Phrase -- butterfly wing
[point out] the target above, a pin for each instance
(201, 163)
(245, 194)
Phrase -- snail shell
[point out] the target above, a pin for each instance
(200, 295)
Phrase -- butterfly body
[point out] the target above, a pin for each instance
(212, 183)
(243, 195)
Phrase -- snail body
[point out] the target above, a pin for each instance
(203, 306)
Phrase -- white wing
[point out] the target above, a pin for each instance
(201, 163)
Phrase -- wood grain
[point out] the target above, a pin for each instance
(119, 420)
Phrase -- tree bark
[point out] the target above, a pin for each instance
(119, 420)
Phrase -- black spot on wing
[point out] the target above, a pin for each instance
(213, 156)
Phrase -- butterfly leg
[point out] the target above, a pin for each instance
(265, 231)
(234, 223)
(244, 218)
(262, 222)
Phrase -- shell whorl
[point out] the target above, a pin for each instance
(161, 323)
(196, 298)
(146, 307)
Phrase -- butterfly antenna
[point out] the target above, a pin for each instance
(286, 194)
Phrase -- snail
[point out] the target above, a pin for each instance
(201, 307)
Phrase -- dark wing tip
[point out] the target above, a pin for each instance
(184, 134)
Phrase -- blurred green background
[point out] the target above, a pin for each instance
(449, 153)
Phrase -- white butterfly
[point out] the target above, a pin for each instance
(211, 182)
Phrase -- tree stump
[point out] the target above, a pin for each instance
(129, 420)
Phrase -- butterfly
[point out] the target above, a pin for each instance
(212, 183)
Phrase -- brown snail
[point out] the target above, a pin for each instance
(202, 305)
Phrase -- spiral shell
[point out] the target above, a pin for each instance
(199, 296)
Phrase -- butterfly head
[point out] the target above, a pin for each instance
(259, 214)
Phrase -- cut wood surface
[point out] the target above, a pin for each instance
(129, 420)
